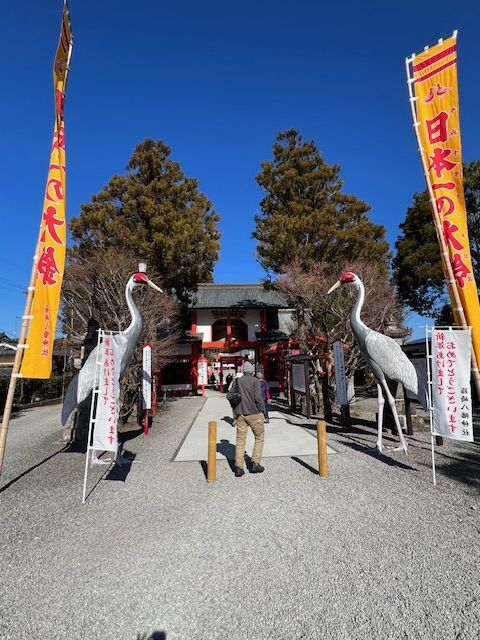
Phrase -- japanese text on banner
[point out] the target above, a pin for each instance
(37, 361)
(434, 80)
(451, 395)
(106, 417)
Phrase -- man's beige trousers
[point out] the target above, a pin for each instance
(256, 424)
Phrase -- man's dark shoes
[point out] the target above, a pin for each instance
(256, 468)
(239, 472)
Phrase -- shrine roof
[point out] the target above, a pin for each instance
(238, 296)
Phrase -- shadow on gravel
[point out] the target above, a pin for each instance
(227, 449)
(156, 635)
(306, 465)
(118, 472)
(35, 466)
(378, 456)
(462, 470)
(463, 467)
(125, 436)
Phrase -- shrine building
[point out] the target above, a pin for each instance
(227, 324)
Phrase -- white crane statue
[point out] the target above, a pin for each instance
(82, 384)
(384, 357)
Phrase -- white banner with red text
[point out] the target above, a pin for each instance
(108, 403)
(451, 391)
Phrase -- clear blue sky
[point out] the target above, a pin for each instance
(216, 81)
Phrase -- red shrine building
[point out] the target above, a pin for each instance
(229, 323)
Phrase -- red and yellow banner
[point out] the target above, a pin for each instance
(434, 93)
(50, 253)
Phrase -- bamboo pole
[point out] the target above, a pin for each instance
(457, 307)
(21, 346)
(212, 451)
(322, 448)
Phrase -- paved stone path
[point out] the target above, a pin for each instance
(282, 436)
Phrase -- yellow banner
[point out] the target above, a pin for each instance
(433, 76)
(50, 253)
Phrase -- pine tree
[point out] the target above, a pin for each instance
(305, 217)
(159, 214)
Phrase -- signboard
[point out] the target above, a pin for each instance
(147, 377)
(340, 378)
(298, 377)
(106, 418)
(451, 393)
(202, 371)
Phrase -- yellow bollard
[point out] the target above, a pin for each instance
(322, 448)
(212, 451)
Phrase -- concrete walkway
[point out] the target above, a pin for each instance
(282, 436)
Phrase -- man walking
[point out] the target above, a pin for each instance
(249, 412)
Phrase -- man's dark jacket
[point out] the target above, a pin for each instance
(249, 389)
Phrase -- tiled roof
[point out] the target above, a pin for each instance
(239, 296)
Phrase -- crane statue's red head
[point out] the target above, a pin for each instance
(346, 278)
(141, 278)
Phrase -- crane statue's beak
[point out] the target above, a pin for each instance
(154, 286)
(335, 286)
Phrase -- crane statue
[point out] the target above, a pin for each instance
(82, 384)
(384, 357)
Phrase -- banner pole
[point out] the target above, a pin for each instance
(18, 358)
(456, 303)
(428, 337)
(29, 302)
(433, 461)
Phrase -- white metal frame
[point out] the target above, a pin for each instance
(93, 407)
(428, 341)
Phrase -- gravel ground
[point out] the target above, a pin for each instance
(374, 551)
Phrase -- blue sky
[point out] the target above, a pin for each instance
(216, 81)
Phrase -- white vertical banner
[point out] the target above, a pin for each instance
(340, 378)
(451, 392)
(202, 371)
(108, 406)
(147, 377)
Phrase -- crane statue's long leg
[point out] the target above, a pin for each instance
(391, 402)
(381, 405)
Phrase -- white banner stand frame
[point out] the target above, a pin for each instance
(93, 407)
(428, 337)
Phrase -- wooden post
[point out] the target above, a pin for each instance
(408, 412)
(322, 448)
(345, 415)
(212, 451)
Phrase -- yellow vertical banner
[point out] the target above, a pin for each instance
(432, 77)
(50, 252)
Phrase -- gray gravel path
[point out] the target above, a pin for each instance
(373, 552)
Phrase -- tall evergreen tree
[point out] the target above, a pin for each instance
(305, 217)
(417, 266)
(159, 214)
